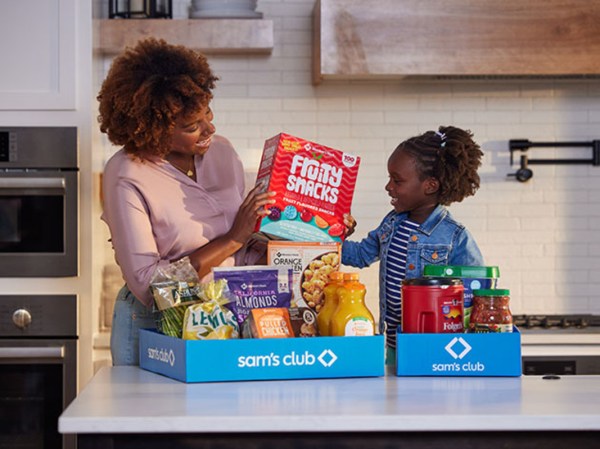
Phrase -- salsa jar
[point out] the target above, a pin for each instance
(491, 311)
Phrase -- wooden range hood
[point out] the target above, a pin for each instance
(366, 39)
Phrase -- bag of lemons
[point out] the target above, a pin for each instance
(211, 320)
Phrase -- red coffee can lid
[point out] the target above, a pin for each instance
(433, 281)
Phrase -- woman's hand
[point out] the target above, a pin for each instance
(350, 224)
(216, 251)
(251, 209)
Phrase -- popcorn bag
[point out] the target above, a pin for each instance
(314, 186)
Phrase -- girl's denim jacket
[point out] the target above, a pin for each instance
(440, 240)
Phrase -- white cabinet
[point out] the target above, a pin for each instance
(37, 54)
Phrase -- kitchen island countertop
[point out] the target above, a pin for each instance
(130, 400)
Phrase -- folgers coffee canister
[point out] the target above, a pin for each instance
(432, 305)
(473, 277)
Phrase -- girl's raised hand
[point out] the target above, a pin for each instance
(350, 224)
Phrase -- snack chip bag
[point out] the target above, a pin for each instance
(256, 287)
(314, 185)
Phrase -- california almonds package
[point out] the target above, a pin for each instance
(314, 186)
(257, 287)
(311, 262)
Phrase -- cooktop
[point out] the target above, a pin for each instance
(576, 323)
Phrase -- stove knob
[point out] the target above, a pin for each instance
(21, 318)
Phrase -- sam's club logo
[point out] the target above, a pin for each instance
(292, 359)
(458, 348)
(327, 358)
(458, 344)
(162, 355)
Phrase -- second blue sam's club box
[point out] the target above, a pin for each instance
(461, 354)
(261, 359)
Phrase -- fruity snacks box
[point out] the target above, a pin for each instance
(314, 186)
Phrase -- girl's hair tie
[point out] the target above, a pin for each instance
(442, 137)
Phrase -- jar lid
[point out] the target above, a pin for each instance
(352, 276)
(461, 271)
(433, 281)
(336, 276)
(491, 292)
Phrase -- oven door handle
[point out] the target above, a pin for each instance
(45, 352)
(32, 183)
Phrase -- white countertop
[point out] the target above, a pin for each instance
(131, 400)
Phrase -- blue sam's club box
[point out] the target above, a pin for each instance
(254, 359)
(492, 354)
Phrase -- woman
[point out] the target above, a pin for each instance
(175, 189)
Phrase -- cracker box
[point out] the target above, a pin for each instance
(311, 264)
(314, 186)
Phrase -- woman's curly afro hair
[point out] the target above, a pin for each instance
(449, 155)
(147, 88)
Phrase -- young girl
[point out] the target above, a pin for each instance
(426, 173)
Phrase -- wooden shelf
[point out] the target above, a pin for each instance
(211, 36)
(365, 39)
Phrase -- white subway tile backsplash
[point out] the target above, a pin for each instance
(506, 103)
(299, 104)
(424, 119)
(325, 118)
(231, 90)
(506, 224)
(333, 104)
(286, 118)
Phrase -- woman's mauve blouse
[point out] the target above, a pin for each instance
(157, 214)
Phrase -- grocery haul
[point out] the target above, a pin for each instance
(302, 315)
(266, 322)
(242, 326)
(435, 340)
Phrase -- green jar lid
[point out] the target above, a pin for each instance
(491, 292)
(461, 271)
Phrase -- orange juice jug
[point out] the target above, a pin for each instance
(336, 280)
(352, 317)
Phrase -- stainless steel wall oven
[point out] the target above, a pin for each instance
(38, 369)
(38, 202)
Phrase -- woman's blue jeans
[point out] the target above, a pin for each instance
(129, 316)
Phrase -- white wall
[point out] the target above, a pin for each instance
(544, 235)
